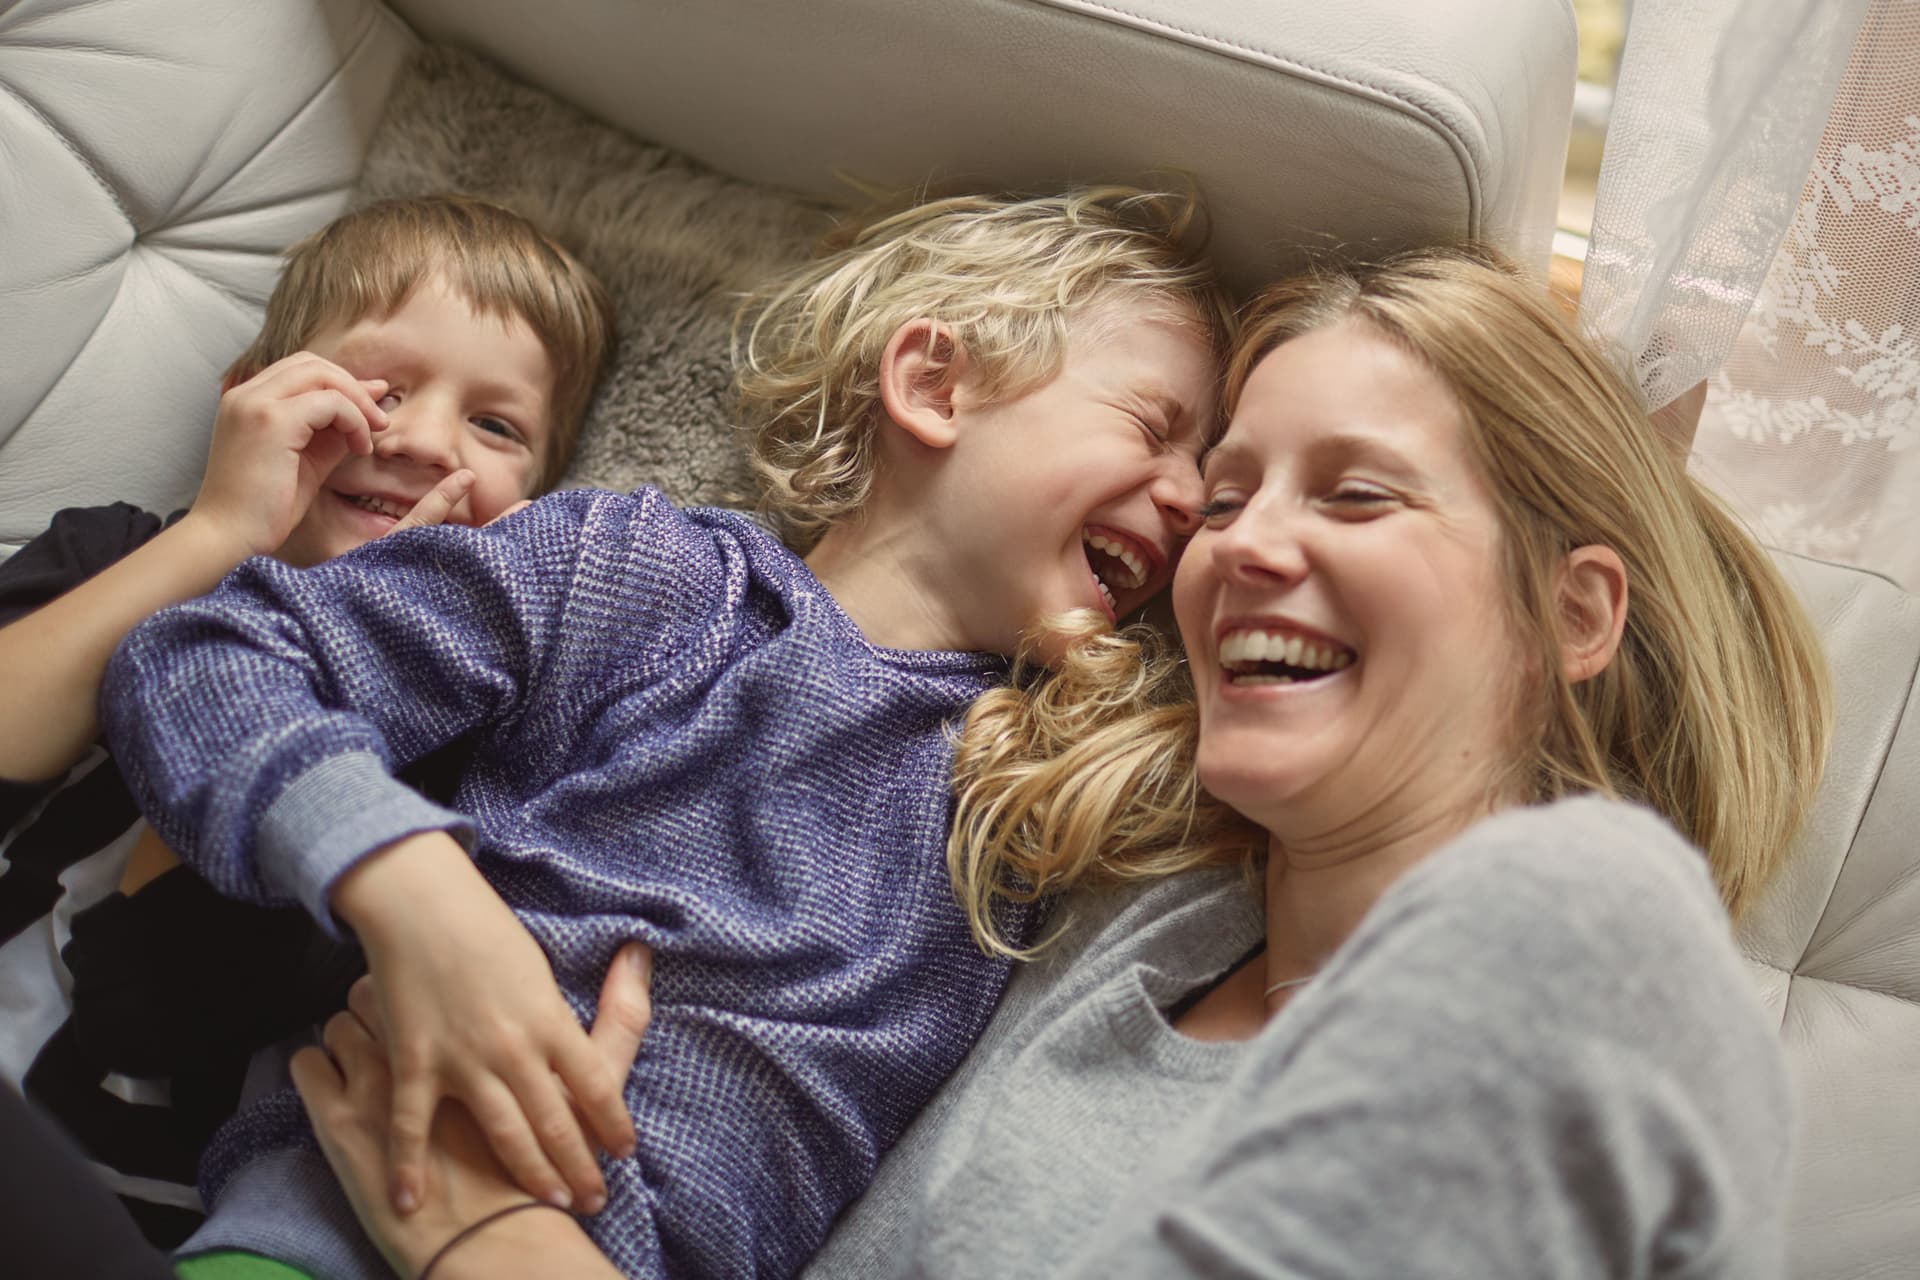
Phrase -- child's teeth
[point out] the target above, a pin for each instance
(1119, 551)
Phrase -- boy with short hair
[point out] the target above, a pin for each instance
(421, 361)
(978, 416)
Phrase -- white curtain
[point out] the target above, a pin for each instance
(1758, 226)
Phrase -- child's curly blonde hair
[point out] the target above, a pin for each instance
(1005, 276)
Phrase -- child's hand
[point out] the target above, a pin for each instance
(474, 1014)
(438, 503)
(348, 1090)
(276, 438)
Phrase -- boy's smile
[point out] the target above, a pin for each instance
(466, 391)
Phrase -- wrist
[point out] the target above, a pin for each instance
(517, 1240)
(392, 883)
(217, 542)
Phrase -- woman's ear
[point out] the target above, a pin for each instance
(920, 369)
(1593, 611)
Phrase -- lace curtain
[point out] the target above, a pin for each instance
(1758, 226)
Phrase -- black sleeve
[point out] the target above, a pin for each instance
(79, 543)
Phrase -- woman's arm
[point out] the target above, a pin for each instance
(348, 1093)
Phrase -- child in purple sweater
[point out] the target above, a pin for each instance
(978, 416)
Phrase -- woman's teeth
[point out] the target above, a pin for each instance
(1251, 656)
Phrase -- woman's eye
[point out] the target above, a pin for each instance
(1360, 496)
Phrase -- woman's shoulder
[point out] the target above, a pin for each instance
(1600, 855)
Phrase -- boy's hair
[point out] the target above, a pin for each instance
(367, 263)
(1004, 275)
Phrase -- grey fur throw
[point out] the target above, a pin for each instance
(676, 244)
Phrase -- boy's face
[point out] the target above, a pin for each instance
(1081, 493)
(465, 391)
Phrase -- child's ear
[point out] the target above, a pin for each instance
(920, 369)
(1593, 610)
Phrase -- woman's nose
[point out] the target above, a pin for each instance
(1261, 546)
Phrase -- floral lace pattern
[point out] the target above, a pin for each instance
(1812, 427)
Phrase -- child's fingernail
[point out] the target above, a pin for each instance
(596, 1203)
(405, 1200)
(560, 1199)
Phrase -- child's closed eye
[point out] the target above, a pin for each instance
(495, 426)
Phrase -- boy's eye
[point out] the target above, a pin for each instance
(496, 426)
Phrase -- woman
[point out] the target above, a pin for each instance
(1449, 581)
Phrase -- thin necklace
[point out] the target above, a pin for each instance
(1290, 982)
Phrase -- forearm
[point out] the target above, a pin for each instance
(55, 656)
(258, 729)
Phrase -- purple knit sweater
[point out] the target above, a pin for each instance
(677, 736)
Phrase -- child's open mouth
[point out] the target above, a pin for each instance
(378, 506)
(1280, 657)
(1116, 564)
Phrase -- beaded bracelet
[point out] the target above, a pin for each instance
(472, 1227)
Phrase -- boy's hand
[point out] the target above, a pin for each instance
(438, 503)
(348, 1091)
(276, 439)
(474, 1014)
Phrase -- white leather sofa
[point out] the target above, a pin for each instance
(155, 155)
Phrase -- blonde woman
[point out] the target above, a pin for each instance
(1453, 605)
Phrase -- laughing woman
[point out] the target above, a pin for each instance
(1467, 646)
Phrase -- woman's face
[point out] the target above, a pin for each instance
(1343, 605)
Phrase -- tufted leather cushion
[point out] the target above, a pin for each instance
(1836, 942)
(155, 157)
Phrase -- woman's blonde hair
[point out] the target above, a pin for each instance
(1005, 276)
(1715, 711)
(368, 262)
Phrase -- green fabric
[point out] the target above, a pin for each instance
(232, 1264)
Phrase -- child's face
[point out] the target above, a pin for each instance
(465, 391)
(1081, 493)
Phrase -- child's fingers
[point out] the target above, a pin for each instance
(625, 1009)
(303, 372)
(438, 503)
(328, 409)
(504, 1119)
(317, 1079)
(415, 1095)
(559, 1132)
(363, 1001)
(597, 1093)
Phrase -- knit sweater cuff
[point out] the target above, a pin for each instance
(335, 814)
